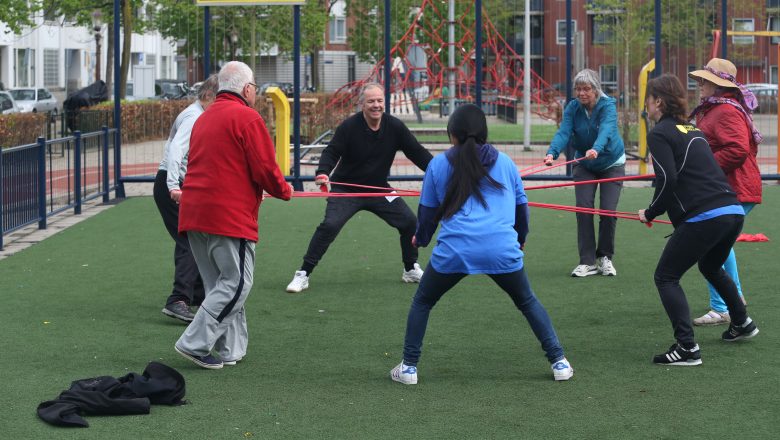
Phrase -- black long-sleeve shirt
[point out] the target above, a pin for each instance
(687, 177)
(363, 156)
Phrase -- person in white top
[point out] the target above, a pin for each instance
(187, 284)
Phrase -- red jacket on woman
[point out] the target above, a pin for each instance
(728, 132)
(231, 162)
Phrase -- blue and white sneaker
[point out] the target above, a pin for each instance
(562, 370)
(406, 374)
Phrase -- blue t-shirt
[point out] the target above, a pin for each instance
(477, 239)
(717, 212)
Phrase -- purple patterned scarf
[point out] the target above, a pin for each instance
(746, 102)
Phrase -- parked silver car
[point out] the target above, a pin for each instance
(35, 100)
(7, 104)
(766, 95)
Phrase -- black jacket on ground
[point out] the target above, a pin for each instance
(364, 156)
(688, 180)
(129, 394)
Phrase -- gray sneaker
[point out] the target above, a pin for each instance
(179, 310)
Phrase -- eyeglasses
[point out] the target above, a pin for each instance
(585, 89)
(254, 85)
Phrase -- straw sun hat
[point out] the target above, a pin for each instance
(719, 72)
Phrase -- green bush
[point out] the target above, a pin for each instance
(21, 128)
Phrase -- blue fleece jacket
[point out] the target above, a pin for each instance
(597, 130)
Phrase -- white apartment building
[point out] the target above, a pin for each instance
(61, 57)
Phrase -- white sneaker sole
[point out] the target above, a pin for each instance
(586, 274)
(743, 337)
(293, 289)
(688, 363)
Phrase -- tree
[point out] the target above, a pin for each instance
(243, 32)
(80, 12)
(314, 19)
(624, 26)
(16, 14)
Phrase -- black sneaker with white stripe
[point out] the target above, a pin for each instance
(738, 332)
(679, 356)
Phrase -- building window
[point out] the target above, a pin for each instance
(151, 59)
(337, 29)
(51, 67)
(608, 76)
(560, 32)
(692, 83)
(773, 24)
(602, 28)
(773, 74)
(351, 68)
(25, 67)
(743, 24)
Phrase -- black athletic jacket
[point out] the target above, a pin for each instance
(688, 180)
(364, 156)
(129, 394)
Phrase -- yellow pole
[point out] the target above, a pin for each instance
(282, 112)
(643, 74)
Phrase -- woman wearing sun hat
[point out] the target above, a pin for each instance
(725, 117)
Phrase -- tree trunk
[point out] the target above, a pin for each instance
(127, 35)
(110, 57)
(315, 70)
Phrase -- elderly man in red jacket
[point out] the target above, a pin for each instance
(231, 163)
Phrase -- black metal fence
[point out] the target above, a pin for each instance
(48, 177)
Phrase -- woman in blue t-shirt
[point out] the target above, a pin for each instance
(476, 194)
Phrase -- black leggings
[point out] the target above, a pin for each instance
(707, 243)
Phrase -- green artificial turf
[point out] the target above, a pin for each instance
(86, 302)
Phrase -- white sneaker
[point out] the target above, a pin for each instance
(562, 370)
(713, 318)
(406, 374)
(584, 270)
(605, 266)
(299, 282)
(412, 276)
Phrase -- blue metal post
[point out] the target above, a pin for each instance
(478, 50)
(388, 61)
(118, 185)
(206, 41)
(568, 54)
(658, 46)
(724, 28)
(77, 173)
(105, 163)
(297, 183)
(41, 183)
(569, 97)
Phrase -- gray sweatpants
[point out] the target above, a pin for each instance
(585, 196)
(226, 266)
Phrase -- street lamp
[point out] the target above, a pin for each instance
(97, 25)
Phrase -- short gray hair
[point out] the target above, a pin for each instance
(208, 88)
(367, 86)
(591, 78)
(234, 76)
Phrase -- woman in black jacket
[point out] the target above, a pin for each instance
(692, 189)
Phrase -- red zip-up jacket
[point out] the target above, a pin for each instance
(729, 136)
(231, 162)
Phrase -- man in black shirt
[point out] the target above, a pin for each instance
(362, 152)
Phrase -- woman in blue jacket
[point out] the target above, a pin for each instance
(476, 194)
(590, 126)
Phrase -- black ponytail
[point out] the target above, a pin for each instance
(469, 126)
